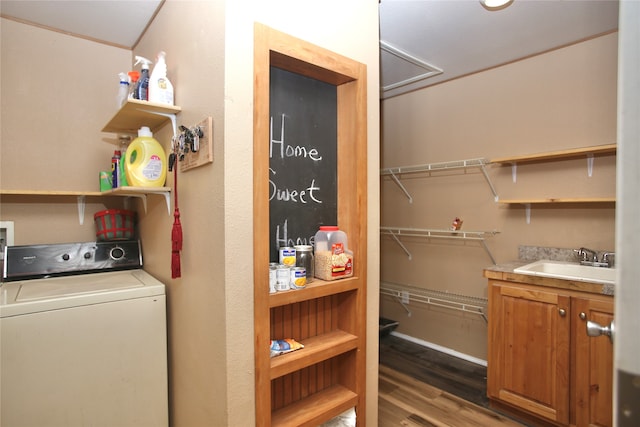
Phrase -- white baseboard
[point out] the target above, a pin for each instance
(441, 349)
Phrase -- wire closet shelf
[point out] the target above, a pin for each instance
(469, 304)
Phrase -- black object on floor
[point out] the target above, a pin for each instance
(387, 326)
(451, 374)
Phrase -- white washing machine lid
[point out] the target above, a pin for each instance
(55, 293)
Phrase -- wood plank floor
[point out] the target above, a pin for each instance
(420, 386)
(406, 401)
(451, 374)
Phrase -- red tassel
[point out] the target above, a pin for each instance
(175, 265)
(176, 232)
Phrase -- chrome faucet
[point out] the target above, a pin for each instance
(587, 255)
(609, 258)
(590, 257)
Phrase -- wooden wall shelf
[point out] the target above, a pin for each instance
(316, 349)
(607, 149)
(135, 113)
(558, 200)
(315, 289)
(81, 196)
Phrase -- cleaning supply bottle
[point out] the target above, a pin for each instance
(124, 140)
(123, 90)
(145, 161)
(142, 88)
(133, 76)
(160, 88)
(115, 169)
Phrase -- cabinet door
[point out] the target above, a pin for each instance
(528, 349)
(594, 364)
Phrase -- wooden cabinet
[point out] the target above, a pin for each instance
(593, 364)
(327, 377)
(528, 359)
(540, 359)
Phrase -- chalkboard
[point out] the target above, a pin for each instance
(302, 158)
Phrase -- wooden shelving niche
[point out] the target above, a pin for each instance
(310, 386)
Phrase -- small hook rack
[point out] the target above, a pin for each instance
(192, 146)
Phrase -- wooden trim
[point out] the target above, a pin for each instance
(342, 347)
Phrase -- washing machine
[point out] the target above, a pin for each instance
(83, 337)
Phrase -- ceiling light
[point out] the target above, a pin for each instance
(495, 4)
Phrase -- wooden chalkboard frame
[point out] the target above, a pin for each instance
(344, 300)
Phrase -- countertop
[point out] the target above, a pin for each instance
(505, 272)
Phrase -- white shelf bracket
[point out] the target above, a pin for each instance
(397, 298)
(527, 212)
(167, 200)
(143, 197)
(590, 165)
(404, 248)
(171, 117)
(514, 172)
(484, 245)
(81, 206)
(486, 176)
(404, 190)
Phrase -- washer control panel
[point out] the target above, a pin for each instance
(38, 261)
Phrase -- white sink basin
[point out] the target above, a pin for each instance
(569, 271)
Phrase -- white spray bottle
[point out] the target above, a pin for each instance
(142, 88)
(123, 90)
(160, 88)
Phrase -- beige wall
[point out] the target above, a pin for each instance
(57, 93)
(56, 144)
(561, 99)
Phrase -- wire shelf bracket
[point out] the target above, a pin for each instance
(479, 236)
(469, 304)
(480, 163)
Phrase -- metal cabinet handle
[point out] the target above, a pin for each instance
(562, 312)
(595, 330)
(583, 316)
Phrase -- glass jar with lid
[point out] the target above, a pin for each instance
(304, 258)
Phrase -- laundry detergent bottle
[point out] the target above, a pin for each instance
(145, 161)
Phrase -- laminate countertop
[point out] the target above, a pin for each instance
(505, 273)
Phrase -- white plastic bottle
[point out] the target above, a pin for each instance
(160, 88)
(123, 90)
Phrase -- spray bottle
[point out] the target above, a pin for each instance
(123, 90)
(160, 88)
(133, 77)
(142, 88)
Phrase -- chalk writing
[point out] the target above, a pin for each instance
(302, 158)
(282, 237)
(287, 195)
(289, 150)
